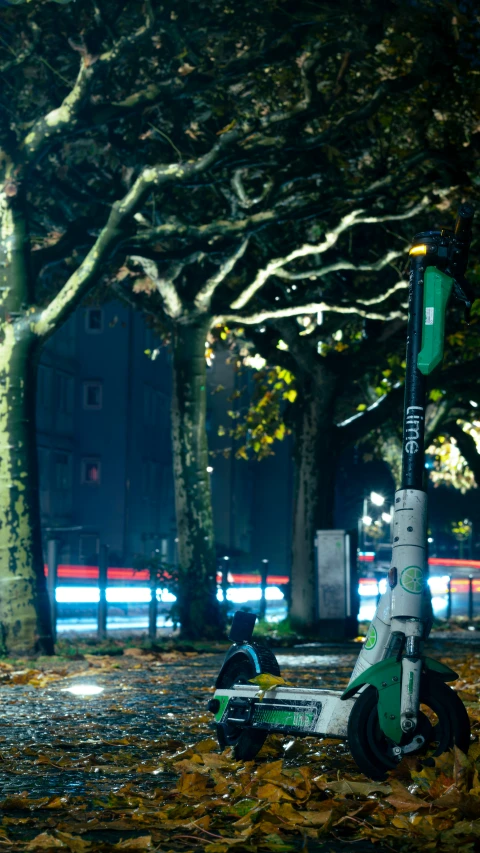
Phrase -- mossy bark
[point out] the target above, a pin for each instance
(315, 458)
(198, 609)
(24, 608)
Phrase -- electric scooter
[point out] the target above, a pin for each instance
(397, 701)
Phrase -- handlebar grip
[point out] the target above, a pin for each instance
(463, 222)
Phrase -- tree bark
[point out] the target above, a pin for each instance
(467, 447)
(315, 458)
(198, 609)
(24, 607)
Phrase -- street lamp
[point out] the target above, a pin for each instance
(225, 578)
(376, 500)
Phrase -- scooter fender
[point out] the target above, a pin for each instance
(386, 677)
(247, 650)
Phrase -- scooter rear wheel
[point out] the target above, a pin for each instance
(246, 742)
(372, 750)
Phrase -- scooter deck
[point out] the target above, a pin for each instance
(289, 710)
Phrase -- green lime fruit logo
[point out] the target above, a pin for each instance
(412, 579)
(371, 640)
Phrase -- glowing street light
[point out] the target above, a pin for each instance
(367, 520)
(377, 499)
(386, 517)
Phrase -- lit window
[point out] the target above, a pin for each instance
(94, 320)
(91, 471)
(92, 395)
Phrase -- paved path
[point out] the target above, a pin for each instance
(56, 743)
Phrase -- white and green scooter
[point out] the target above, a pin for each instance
(397, 702)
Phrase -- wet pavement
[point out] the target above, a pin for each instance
(56, 742)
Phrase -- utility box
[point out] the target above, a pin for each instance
(337, 584)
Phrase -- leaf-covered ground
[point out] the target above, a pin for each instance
(136, 767)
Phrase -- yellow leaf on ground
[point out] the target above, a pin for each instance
(74, 842)
(402, 800)
(192, 784)
(314, 818)
(273, 793)
(345, 786)
(206, 745)
(45, 841)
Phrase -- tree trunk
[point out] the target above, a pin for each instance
(315, 457)
(198, 609)
(391, 453)
(24, 607)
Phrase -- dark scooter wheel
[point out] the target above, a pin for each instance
(372, 750)
(246, 742)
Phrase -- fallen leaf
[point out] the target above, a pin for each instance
(346, 786)
(402, 800)
(45, 841)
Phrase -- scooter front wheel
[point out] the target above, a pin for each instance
(442, 722)
(246, 742)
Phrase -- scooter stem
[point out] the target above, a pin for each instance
(413, 453)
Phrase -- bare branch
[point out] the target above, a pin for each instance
(66, 116)
(165, 285)
(240, 192)
(319, 272)
(311, 308)
(331, 237)
(382, 297)
(222, 227)
(364, 422)
(113, 233)
(204, 296)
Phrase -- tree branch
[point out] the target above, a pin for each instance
(175, 229)
(360, 424)
(311, 308)
(165, 285)
(222, 227)
(20, 58)
(331, 237)
(114, 231)
(66, 116)
(204, 295)
(240, 192)
(319, 272)
(366, 111)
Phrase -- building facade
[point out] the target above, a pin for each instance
(103, 423)
(104, 451)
